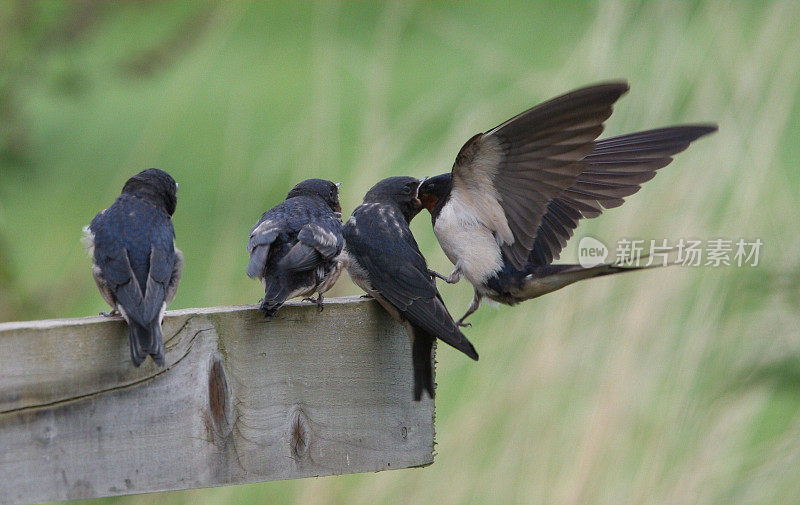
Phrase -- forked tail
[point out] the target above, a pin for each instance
(146, 341)
(421, 354)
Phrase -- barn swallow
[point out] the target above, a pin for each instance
(516, 192)
(295, 247)
(136, 265)
(384, 260)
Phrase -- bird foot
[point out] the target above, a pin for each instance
(452, 279)
(434, 274)
(366, 295)
(318, 301)
(113, 313)
(462, 324)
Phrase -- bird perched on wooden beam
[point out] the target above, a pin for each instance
(295, 246)
(384, 260)
(136, 265)
(516, 193)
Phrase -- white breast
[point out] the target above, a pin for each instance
(88, 241)
(467, 241)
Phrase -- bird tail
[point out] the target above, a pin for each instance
(540, 280)
(422, 356)
(146, 340)
(275, 295)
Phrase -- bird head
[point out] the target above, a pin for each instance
(399, 191)
(434, 189)
(156, 187)
(319, 188)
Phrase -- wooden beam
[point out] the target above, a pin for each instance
(240, 400)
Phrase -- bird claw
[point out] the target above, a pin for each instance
(318, 301)
(463, 325)
(113, 313)
(452, 279)
(434, 274)
(366, 295)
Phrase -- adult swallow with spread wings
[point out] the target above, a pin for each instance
(385, 261)
(295, 246)
(517, 192)
(136, 265)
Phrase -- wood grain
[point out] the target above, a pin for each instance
(240, 400)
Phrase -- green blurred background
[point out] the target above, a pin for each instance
(669, 386)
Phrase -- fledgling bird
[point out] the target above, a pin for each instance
(295, 247)
(516, 193)
(384, 260)
(136, 265)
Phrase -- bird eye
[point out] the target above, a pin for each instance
(406, 190)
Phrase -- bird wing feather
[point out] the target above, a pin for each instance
(383, 245)
(509, 174)
(316, 242)
(615, 169)
(261, 238)
(142, 306)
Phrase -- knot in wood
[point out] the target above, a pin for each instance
(218, 397)
(299, 432)
(47, 430)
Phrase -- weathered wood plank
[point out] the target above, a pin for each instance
(240, 400)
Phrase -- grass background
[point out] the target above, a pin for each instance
(669, 386)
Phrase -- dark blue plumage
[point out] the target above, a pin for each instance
(136, 265)
(385, 261)
(295, 246)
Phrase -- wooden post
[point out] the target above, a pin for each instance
(240, 400)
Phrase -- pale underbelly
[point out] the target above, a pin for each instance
(472, 248)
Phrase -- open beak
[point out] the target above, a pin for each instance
(421, 182)
(428, 200)
(417, 202)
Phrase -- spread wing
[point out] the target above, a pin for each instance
(616, 168)
(316, 242)
(381, 242)
(508, 175)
